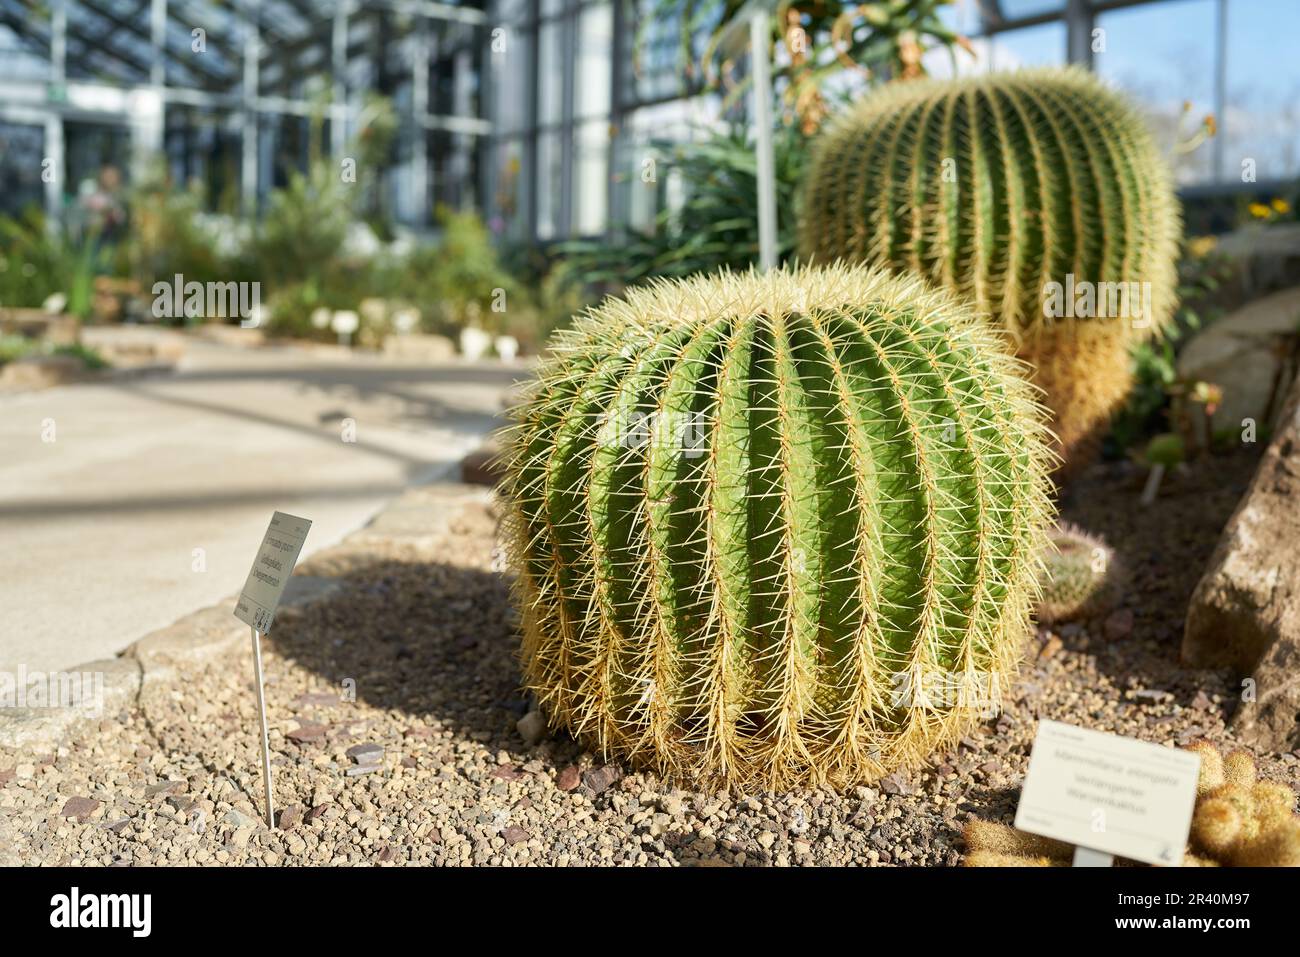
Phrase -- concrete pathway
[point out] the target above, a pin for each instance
(127, 504)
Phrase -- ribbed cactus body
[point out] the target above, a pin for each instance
(998, 187)
(746, 509)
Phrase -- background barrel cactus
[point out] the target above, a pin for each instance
(999, 186)
(749, 512)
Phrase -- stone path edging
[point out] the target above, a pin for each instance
(417, 515)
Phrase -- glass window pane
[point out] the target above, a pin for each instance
(591, 178)
(1263, 95)
(1163, 54)
(661, 66)
(1001, 11)
(1043, 45)
(510, 199)
(550, 75)
(511, 82)
(595, 47)
(548, 185)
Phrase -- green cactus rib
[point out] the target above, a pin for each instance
(742, 506)
(994, 187)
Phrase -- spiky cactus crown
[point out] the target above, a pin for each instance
(744, 506)
(1081, 576)
(997, 186)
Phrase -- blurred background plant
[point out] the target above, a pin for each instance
(815, 42)
(1202, 270)
(716, 224)
(37, 262)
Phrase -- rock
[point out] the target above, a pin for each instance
(569, 778)
(368, 753)
(307, 731)
(532, 727)
(234, 820)
(42, 372)
(362, 769)
(290, 817)
(316, 699)
(136, 346)
(417, 347)
(483, 466)
(599, 779)
(507, 772)
(515, 834)
(896, 784)
(1118, 624)
(49, 326)
(228, 334)
(80, 808)
(1243, 353)
(1245, 611)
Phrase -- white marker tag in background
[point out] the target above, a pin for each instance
(1109, 793)
(271, 570)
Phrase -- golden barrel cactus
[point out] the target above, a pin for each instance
(776, 529)
(1039, 195)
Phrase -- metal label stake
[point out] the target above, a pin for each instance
(256, 607)
(266, 738)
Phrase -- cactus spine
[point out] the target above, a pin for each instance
(999, 186)
(742, 505)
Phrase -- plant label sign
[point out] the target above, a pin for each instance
(271, 570)
(1109, 793)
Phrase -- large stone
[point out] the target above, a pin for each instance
(1245, 611)
(42, 372)
(136, 346)
(417, 347)
(1249, 353)
(483, 466)
(55, 328)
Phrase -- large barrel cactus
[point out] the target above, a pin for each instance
(1030, 193)
(775, 529)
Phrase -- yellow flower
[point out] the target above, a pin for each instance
(1259, 211)
(1281, 206)
(1202, 246)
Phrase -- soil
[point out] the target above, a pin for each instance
(396, 740)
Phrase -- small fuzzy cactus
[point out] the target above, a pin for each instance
(757, 520)
(1238, 821)
(1081, 576)
(1035, 194)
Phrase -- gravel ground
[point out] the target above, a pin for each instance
(394, 730)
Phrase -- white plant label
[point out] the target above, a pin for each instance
(1109, 793)
(276, 557)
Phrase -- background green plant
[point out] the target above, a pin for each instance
(717, 224)
(1155, 362)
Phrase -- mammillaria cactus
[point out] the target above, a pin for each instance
(1038, 194)
(1081, 576)
(757, 518)
(1238, 821)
